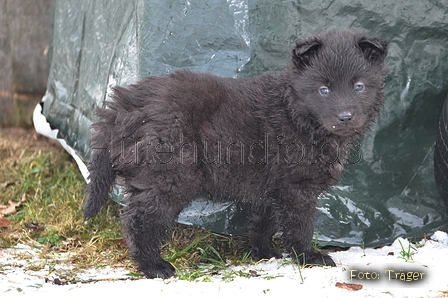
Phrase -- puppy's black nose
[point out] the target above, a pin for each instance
(345, 117)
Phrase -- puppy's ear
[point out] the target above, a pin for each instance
(304, 51)
(374, 49)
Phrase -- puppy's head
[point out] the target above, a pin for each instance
(338, 78)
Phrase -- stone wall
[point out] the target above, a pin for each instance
(25, 33)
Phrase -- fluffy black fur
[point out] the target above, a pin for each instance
(273, 142)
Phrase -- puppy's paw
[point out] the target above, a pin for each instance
(162, 269)
(268, 253)
(314, 258)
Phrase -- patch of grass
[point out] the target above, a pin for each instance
(363, 249)
(196, 253)
(40, 171)
(52, 239)
(406, 253)
(299, 266)
(315, 243)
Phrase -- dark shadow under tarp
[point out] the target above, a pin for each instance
(389, 193)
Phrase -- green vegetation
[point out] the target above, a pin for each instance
(44, 180)
(406, 253)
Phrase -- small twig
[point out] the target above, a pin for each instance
(58, 281)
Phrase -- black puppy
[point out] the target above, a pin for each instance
(273, 142)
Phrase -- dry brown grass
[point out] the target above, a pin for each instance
(40, 171)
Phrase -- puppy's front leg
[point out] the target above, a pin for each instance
(297, 215)
(262, 226)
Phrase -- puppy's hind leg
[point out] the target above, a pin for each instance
(146, 221)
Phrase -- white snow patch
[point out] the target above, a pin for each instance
(271, 278)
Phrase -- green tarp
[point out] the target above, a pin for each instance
(390, 192)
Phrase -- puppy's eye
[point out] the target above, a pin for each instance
(359, 87)
(324, 90)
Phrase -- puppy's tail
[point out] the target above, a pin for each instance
(101, 172)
